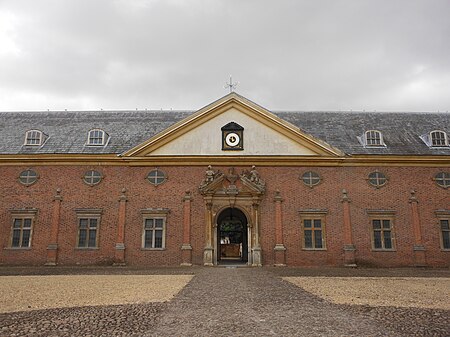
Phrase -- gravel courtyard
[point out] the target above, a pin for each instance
(224, 302)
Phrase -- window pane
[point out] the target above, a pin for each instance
(148, 223)
(318, 239)
(26, 238)
(17, 223)
(445, 224)
(148, 239)
(16, 238)
(82, 238)
(387, 240)
(93, 223)
(92, 238)
(387, 224)
(446, 240)
(83, 223)
(376, 224)
(308, 239)
(158, 239)
(307, 223)
(377, 240)
(159, 223)
(27, 223)
(317, 223)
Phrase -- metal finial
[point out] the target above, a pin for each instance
(231, 85)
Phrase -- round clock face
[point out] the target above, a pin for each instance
(232, 139)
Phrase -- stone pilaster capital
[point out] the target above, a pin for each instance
(413, 197)
(345, 197)
(277, 197)
(187, 196)
(58, 196)
(123, 197)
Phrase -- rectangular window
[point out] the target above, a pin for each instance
(154, 229)
(87, 232)
(444, 227)
(313, 229)
(21, 232)
(22, 228)
(88, 227)
(382, 223)
(445, 233)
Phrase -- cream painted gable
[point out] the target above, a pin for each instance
(264, 134)
(259, 139)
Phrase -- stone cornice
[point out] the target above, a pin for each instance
(278, 161)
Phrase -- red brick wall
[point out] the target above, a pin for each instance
(141, 194)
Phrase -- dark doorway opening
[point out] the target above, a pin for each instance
(232, 237)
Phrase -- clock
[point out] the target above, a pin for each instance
(232, 137)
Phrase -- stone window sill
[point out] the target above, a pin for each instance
(384, 250)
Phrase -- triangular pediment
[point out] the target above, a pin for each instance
(263, 134)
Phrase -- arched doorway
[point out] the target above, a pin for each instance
(232, 237)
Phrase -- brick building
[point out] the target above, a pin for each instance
(229, 183)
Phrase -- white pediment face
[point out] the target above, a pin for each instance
(258, 139)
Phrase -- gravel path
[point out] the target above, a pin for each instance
(235, 302)
(58, 291)
(409, 292)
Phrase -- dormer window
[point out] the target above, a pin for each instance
(96, 137)
(438, 138)
(34, 137)
(372, 138)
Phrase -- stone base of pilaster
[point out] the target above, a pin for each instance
(350, 256)
(52, 254)
(186, 255)
(280, 255)
(119, 255)
(419, 256)
(208, 256)
(256, 257)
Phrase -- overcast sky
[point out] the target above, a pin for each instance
(384, 55)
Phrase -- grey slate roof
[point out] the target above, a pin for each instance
(67, 130)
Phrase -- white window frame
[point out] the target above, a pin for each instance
(311, 215)
(155, 214)
(382, 215)
(90, 138)
(364, 139)
(88, 213)
(22, 214)
(31, 135)
(434, 132)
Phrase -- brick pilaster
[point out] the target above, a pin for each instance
(419, 249)
(280, 249)
(52, 248)
(186, 248)
(349, 247)
(119, 254)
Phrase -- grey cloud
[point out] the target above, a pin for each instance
(296, 55)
